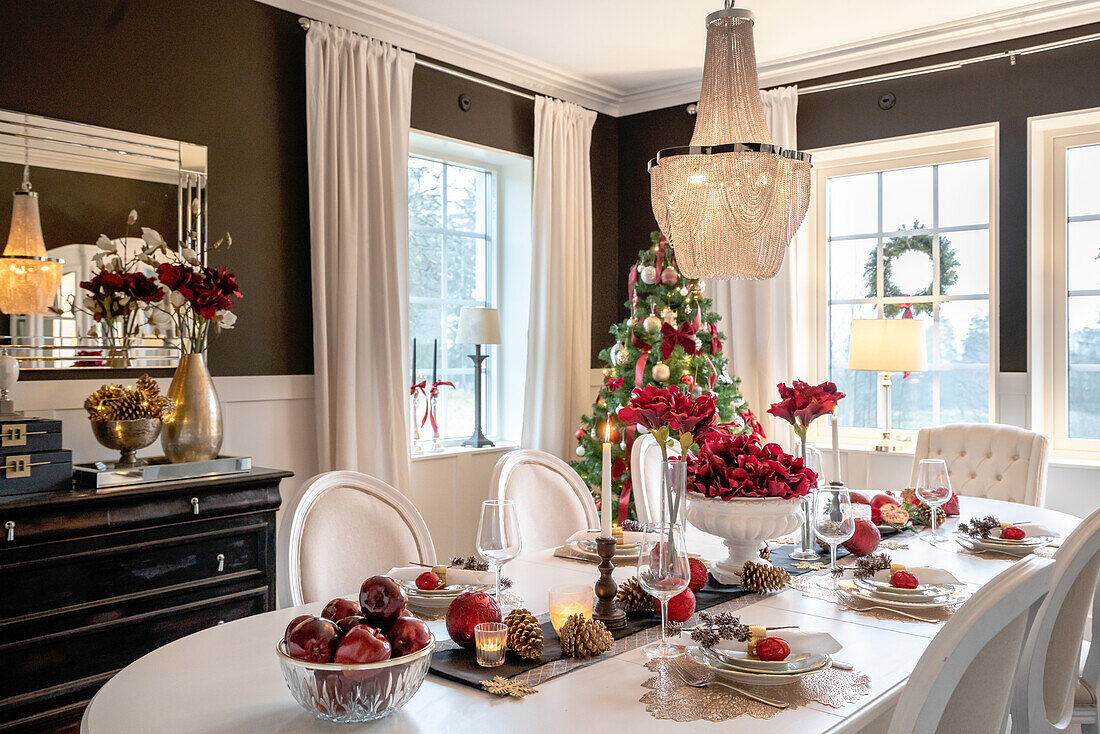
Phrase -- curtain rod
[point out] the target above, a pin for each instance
(1011, 55)
(306, 23)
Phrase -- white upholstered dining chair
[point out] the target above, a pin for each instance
(645, 478)
(345, 527)
(988, 460)
(1052, 693)
(963, 681)
(552, 501)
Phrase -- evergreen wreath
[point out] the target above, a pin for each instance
(893, 249)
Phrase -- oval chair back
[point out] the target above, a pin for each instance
(552, 501)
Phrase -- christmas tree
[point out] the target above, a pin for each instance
(670, 337)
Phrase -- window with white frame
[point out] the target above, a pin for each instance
(904, 231)
(452, 262)
(1065, 281)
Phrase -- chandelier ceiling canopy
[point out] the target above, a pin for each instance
(732, 200)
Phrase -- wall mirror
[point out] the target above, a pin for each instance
(89, 179)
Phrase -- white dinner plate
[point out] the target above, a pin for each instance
(1009, 548)
(735, 675)
(922, 596)
(625, 549)
(850, 589)
(921, 590)
(740, 659)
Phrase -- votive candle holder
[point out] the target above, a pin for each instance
(491, 642)
(568, 600)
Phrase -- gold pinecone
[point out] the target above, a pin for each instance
(148, 386)
(524, 634)
(766, 551)
(631, 597)
(759, 577)
(918, 511)
(582, 637)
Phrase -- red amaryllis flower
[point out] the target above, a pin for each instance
(651, 406)
(178, 278)
(697, 416)
(729, 467)
(224, 281)
(209, 302)
(143, 288)
(802, 403)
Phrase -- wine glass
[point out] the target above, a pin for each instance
(833, 520)
(664, 572)
(933, 488)
(498, 539)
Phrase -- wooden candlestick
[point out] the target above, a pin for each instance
(606, 610)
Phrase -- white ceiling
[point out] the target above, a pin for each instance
(624, 57)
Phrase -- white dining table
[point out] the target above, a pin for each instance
(227, 679)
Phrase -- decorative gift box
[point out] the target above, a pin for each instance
(29, 435)
(42, 471)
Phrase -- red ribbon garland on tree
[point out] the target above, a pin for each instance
(624, 494)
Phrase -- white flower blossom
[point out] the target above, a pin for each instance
(176, 299)
(195, 208)
(104, 243)
(90, 303)
(131, 218)
(152, 238)
(190, 255)
(226, 319)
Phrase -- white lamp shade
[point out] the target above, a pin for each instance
(887, 345)
(478, 326)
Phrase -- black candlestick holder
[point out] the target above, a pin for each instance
(606, 610)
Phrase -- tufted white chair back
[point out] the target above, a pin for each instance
(988, 460)
(345, 527)
(552, 501)
(645, 478)
(1050, 679)
(962, 682)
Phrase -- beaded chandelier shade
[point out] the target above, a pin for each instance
(28, 279)
(731, 201)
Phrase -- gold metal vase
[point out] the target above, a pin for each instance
(194, 433)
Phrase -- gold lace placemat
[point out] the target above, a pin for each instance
(670, 697)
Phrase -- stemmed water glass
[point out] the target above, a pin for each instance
(934, 489)
(833, 521)
(498, 539)
(664, 572)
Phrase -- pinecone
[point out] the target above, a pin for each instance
(761, 578)
(766, 551)
(918, 511)
(148, 386)
(524, 634)
(128, 407)
(582, 637)
(631, 597)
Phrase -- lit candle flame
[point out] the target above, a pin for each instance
(607, 432)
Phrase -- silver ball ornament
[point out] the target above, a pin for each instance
(580, 451)
(652, 322)
(685, 291)
(649, 275)
(661, 372)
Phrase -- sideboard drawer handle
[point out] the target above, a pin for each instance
(221, 562)
(195, 505)
(10, 527)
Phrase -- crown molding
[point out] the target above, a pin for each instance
(372, 18)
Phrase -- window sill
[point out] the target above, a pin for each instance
(453, 451)
(1073, 460)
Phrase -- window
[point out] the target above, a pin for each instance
(1081, 221)
(452, 258)
(904, 230)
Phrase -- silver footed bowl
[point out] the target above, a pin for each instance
(127, 437)
(348, 694)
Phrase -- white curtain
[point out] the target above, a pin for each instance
(759, 317)
(358, 101)
(558, 339)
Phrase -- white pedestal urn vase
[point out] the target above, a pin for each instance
(744, 523)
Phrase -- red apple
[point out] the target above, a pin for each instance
(337, 609)
(347, 623)
(858, 498)
(362, 644)
(865, 539)
(883, 499)
(407, 635)
(294, 623)
(383, 600)
(428, 581)
(313, 640)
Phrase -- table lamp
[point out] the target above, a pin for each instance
(885, 346)
(478, 326)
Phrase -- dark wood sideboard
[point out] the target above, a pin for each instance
(89, 582)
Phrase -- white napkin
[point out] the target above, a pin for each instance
(801, 641)
(454, 575)
(924, 574)
(1031, 530)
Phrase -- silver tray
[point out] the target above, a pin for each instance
(104, 476)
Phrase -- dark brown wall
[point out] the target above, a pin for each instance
(506, 121)
(228, 75)
(1039, 84)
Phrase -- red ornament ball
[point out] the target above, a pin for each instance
(772, 649)
(1013, 533)
(427, 581)
(699, 574)
(865, 540)
(466, 612)
(669, 276)
(904, 580)
(581, 433)
(680, 607)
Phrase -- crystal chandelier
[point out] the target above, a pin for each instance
(731, 201)
(28, 278)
